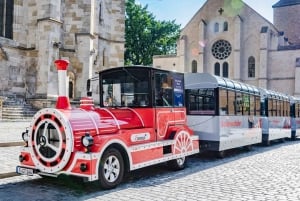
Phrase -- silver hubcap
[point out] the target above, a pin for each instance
(111, 168)
(180, 161)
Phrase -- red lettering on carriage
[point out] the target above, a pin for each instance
(231, 123)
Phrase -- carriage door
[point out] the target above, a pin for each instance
(163, 103)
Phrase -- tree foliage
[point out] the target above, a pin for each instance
(146, 36)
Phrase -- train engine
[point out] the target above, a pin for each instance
(103, 143)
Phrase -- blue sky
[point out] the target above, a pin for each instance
(183, 10)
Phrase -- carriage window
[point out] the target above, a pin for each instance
(297, 113)
(275, 103)
(252, 105)
(239, 104)
(281, 110)
(246, 104)
(223, 102)
(287, 108)
(231, 102)
(257, 106)
(278, 109)
(270, 107)
(201, 101)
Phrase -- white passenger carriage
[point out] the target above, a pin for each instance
(275, 120)
(223, 113)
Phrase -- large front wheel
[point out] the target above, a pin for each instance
(111, 170)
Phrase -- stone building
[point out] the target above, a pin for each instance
(230, 39)
(34, 33)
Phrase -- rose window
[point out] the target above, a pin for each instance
(221, 49)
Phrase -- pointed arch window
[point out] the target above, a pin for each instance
(216, 28)
(225, 26)
(194, 66)
(6, 18)
(217, 69)
(100, 13)
(251, 67)
(225, 69)
(104, 57)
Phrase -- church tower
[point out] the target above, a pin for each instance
(286, 19)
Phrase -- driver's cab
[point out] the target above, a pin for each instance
(156, 95)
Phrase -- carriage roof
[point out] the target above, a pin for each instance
(206, 80)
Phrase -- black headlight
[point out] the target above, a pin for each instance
(87, 140)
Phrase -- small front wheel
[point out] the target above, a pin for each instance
(111, 169)
(177, 164)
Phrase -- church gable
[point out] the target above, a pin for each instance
(233, 40)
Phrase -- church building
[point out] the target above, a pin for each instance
(35, 33)
(230, 39)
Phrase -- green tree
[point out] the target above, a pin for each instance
(146, 36)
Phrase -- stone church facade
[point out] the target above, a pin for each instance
(34, 33)
(230, 39)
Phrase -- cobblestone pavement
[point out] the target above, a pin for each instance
(11, 131)
(265, 173)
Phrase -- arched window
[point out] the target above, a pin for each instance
(71, 78)
(225, 69)
(100, 13)
(251, 67)
(217, 69)
(225, 26)
(194, 66)
(6, 18)
(104, 57)
(71, 90)
(216, 27)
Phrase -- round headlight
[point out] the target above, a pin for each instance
(87, 140)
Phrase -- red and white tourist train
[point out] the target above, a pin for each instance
(148, 116)
(141, 122)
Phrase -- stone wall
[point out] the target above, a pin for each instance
(44, 31)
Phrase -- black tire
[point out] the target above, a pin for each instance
(111, 169)
(282, 140)
(221, 154)
(266, 143)
(248, 147)
(177, 164)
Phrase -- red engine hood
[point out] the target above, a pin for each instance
(120, 118)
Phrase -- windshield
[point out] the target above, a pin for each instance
(127, 87)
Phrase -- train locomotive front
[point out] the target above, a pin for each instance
(59, 140)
